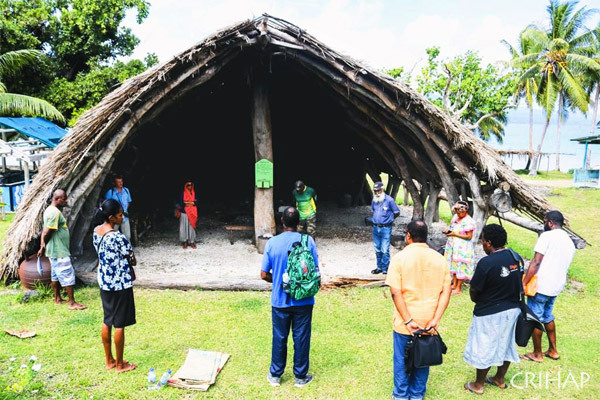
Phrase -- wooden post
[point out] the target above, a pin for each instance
(432, 203)
(264, 214)
(25, 166)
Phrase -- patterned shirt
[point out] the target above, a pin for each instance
(113, 269)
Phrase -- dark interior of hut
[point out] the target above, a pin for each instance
(206, 137)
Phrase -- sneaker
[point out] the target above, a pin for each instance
(384, 272)
(274, 380)
(303, 382)
(376, 271)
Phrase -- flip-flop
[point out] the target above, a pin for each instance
(77, 307)
(529, 358)
(470, 389)
(491, 382)
(550, 357)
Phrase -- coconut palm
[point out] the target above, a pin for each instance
(560, 64)
(527, 88)
(19, 104)
(592, 83)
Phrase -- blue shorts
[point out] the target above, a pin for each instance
(62, 271)
(542, 306)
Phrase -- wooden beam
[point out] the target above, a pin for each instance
(264, 213)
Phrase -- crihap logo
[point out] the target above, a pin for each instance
(549, 380)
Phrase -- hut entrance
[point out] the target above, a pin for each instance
(207, 136)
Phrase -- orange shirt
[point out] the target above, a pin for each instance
(421, 274)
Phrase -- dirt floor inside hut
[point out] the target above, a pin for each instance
(345, 249)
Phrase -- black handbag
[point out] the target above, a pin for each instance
(527, 321)
(424, 350)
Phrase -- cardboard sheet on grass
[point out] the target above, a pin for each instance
(199, 370)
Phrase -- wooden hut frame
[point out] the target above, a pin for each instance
(418, 142)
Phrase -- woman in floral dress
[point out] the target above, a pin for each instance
(459, 248)
(115, 278)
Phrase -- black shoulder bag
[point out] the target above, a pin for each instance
(424, 350)
(527, 321)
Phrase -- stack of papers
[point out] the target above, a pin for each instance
(199, 370)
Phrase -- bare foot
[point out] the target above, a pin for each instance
(455, 292)
(60, 301)
(125, 367)
(77, 306)
(111, 364)
(193, 245)
(185, 246)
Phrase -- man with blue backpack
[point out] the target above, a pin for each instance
(290, 262)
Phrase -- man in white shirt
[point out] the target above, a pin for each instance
(554, 252)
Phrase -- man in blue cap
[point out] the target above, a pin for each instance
(385, 210)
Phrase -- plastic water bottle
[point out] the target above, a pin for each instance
(151, 379)
(164, 378)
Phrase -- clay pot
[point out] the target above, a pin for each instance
(28, 272)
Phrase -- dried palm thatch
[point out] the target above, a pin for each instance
(418, 141)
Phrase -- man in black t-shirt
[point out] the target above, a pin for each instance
(495, 290)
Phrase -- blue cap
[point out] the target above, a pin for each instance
(378, 186)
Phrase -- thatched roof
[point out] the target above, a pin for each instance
(416, 139)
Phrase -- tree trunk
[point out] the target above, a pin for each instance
(264, 214)
(432, 203)
(405, 192)
(588, 156)
(537, 154)
(530, 137)
(560, 112)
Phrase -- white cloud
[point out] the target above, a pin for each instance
(361, 29)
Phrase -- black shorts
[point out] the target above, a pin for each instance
(119, 307)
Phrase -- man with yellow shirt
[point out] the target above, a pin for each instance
(306, 203)
(419, 280)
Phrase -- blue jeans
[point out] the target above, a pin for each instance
(542, 307)
(411, 386)
(381, 241)
(300, 319)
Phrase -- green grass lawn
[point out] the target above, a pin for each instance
(351, 343)
(4, 227)
(545, 175)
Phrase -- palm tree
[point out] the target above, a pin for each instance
(592, 82)
(19, 104)
(560, 64)
(527, 88)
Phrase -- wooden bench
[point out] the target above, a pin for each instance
(238, 228)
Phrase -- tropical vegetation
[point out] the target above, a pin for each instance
(11, 63)
(81, 41)
(555, 66)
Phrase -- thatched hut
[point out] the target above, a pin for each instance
(266, 89)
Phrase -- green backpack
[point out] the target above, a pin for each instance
(304, 280)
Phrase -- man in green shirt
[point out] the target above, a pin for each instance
(306, 203)
(55, 243)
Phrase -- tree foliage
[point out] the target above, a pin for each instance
(79, 37)
(11, 63)
(87, 89)
(477, 96)
(561, 62)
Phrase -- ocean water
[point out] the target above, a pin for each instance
(516, 137)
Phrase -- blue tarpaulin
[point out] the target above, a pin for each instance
(36, 128)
